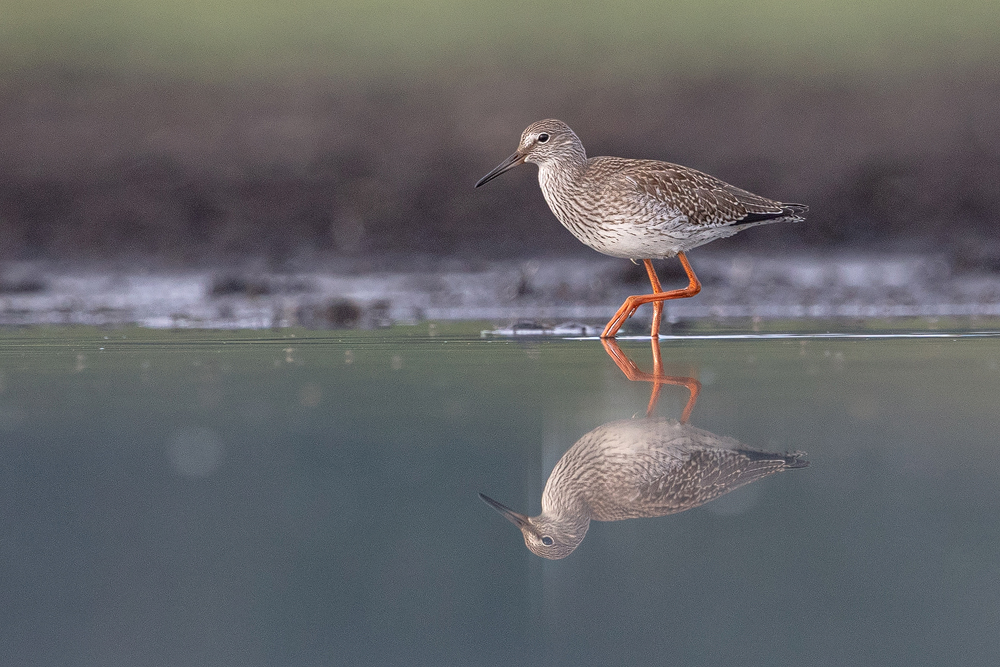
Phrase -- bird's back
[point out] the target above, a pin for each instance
(652, 467)
(651, 209)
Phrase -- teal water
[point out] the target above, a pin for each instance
(173, 498)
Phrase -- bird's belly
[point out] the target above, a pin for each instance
(630, 239)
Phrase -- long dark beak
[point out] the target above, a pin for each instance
(519, 520)
(507, 164)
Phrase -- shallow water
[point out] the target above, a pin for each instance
(269, 499)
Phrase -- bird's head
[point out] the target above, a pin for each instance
(543, 142)
(544, 536)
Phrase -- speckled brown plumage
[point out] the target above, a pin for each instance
(638, 468)
(637, 209)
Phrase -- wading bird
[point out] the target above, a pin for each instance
(638, 209)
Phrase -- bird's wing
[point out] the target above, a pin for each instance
(726, 470)
(703, 199)
(706, 475)
(679, 466)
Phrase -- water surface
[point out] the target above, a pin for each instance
(276, 499)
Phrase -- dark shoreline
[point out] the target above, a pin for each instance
(99, 168)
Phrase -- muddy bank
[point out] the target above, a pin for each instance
(588, 290)
(185, 174)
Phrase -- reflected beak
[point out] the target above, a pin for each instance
(506, 165)
(519, 520)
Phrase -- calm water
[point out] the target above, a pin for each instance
(184, 498)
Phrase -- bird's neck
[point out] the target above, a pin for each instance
(563, 502)
(561, 176)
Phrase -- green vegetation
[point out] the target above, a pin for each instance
(218, 39)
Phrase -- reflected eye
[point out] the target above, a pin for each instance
(542, 138)
(547, 541)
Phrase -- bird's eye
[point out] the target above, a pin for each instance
(546, 540)
(542, 138)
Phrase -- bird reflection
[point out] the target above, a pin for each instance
(637, 468)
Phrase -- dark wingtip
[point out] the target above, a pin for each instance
(791, 459)
(795, 209)
(751, 218)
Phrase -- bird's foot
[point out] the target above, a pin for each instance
(626, 311)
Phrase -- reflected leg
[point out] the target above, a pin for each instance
(657, 377)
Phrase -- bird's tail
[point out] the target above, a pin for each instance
(796, 211)
(795, 460)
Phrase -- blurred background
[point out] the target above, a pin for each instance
(188, 134)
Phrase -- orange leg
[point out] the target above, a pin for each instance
(657, 377)
(657, 305)
(656, 298)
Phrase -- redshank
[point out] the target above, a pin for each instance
(638, 209)
(638, 468)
